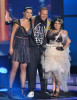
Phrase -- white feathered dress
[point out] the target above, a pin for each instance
(54, 61)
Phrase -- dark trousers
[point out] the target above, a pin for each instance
(32, 70)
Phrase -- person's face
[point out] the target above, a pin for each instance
(28, 14)
(57, 25)
(43, 14)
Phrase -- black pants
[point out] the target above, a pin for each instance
(32, 69)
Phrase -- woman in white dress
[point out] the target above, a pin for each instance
(55, 59)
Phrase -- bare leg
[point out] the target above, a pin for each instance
(58, 86)
(15, 66)
(23, 75)
(53, 82)
(57, 89)
(54, 85)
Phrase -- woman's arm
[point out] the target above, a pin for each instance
(65, 36)
(15, 26)
(8, 19)
(67, 43)
(65, 40)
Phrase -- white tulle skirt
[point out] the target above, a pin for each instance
(57, 63)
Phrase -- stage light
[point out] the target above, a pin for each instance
(3, 90)
(3, 70)
(41, 0)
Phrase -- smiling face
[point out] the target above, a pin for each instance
(57, 25)
(43, 14)
(27, 13)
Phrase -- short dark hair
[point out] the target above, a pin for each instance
(27, 7)
(43, 8)
(59, 19)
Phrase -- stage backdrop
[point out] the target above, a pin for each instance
(4, 33)
(70, 24)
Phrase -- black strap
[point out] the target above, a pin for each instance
(17, 22)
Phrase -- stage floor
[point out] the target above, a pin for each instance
(70, 95)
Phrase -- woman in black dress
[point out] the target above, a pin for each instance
(19, 46)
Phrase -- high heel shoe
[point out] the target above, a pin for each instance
(22, 91)
(10, 93)
(56, 94)
(52, 94)
(20, 94)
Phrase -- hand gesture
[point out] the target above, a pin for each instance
(7, 17)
